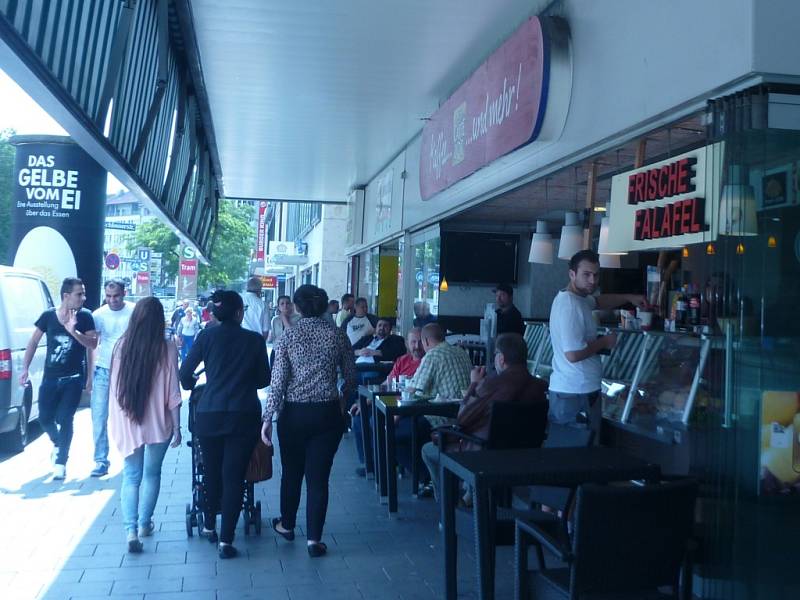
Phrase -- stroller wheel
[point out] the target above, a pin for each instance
(257, 518)
(200, 521)
(189, 525)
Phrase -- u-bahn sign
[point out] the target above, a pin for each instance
(500, 108)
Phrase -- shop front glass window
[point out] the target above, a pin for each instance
(426, 273)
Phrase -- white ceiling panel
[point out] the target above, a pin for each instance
(311, 98)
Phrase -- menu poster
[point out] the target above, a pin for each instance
(780, 445)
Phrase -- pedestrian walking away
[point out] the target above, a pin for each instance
(145, 404)
(227, 416)
(70, 331)
(111, 321)
(188, 328)
(310, 411)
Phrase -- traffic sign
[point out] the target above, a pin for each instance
(143, 267)
(188, 252)
(112, 261)
(143, 254)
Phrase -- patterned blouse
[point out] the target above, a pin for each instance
(308, 359)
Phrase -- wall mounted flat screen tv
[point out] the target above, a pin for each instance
(469, 257)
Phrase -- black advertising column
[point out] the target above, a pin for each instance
(58, 213)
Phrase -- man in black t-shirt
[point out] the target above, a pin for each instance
(509, 319)
(70, 331)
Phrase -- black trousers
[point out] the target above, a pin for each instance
(225, 458)
(309, 435)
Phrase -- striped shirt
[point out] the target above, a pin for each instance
(308, 358)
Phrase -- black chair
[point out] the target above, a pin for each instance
(512, 425)
(628, 540)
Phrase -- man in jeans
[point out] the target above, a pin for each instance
(111, 321)
(577, 368)
(70, 331)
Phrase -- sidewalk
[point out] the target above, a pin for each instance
(65, 540)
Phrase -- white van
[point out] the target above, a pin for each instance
(23, 297)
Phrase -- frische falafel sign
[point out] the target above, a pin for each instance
(58, 212)
(668, 204)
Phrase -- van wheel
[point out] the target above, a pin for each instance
(16, 440)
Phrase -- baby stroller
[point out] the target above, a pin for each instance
(251, 511)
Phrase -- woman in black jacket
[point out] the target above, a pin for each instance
(227, 415)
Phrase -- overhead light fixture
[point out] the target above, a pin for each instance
(710, 250)
(541, 245)
(599, 209)
(443, 285)
(602, 244)
(737, 208)
(610, 261)
(740, 248)
(685, 252)
(772, 242)
(572, 237)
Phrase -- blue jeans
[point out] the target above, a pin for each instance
(141, 482)
(58, 400)
(99, 407)
(188, 341)
(564, 409)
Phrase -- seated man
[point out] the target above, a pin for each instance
(512, 383)
(382, 346)
(405, 365)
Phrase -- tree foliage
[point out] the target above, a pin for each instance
(158, 237)
(6, 192)
(230, 253)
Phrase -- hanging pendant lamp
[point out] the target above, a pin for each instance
(541, 245)
(572, 237)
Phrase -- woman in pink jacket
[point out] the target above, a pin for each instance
(144, 413)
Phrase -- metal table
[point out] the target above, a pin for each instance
(366, 407)
(486, 470)
(387, 407)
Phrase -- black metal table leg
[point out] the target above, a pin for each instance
(380, 465)
(482, 518)
(448, 507)
(391, 462)
(366, 433)
(414, 461)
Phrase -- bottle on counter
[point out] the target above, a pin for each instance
(681, 308)
(694, 309)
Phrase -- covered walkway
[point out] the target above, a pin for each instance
(65, 540)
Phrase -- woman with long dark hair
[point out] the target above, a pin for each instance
(144, 413)
(227, 414)
(303, 392)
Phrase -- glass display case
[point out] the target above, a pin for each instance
(654, 382)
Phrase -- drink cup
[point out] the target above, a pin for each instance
(645, 319)
(405, 396)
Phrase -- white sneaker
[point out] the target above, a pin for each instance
(59, 472)
(54, 455)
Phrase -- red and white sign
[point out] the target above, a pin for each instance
(667, 204)
(143, 277)
(187, 278)
(188, 268)
(269, 282)
(498, 109)
(262, 231)
(143, 283)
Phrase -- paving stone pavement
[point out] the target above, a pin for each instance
(65, 540)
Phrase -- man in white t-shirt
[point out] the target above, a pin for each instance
(360, 323)
(111, 321)
(256, 317)
(577, 368)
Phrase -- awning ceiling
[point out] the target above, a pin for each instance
(311, 98)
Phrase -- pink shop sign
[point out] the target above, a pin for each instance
(498, 109)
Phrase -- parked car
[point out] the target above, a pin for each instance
(23, 297)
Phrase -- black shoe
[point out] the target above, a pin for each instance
(287, 535)
(227, 551)
(211, 536)
(361, 471)
(317, 549)
(425, 491)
